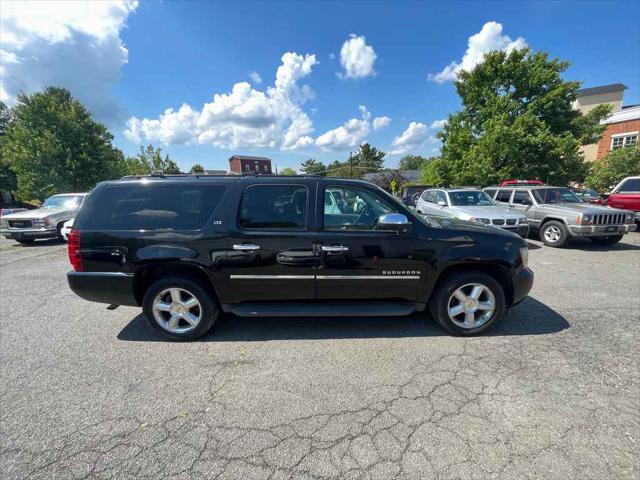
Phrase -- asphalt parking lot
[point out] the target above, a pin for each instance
(552, 392)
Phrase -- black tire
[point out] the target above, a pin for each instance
(59, 231)
(439, 303)
(554, 229)
(610, 240)
(208, 303)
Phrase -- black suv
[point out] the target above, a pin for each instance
(185, 248)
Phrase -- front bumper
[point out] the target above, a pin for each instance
(522, 284)
(19, 233)
(600, 230)
(114, 288)
(522, 230)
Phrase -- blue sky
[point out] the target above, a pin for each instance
(350, 65)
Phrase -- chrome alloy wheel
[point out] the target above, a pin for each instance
(552, 234)
(177, 310)
(471, 305)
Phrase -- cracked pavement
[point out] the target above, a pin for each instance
(552, 392)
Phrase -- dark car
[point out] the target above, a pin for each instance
(410, 193)
(187, 248)
(588, 195)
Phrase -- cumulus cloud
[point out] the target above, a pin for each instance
(255, 77)
(415, 137)
(242, 118)
(488, 39)
(348, 135)
(438, 123)
(357, 58)
(65, 44)
(381, 122)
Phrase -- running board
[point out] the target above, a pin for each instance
(323, 309)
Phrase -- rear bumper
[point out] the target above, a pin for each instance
(18, 233)
(103, 287)
(522, 283)
(600, 230)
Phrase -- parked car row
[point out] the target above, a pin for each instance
(44, 222)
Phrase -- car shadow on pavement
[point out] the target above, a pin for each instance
(588, 245)
(531, 317)
(41, 243)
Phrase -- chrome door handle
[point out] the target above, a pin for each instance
(334, 248)
(246, 247)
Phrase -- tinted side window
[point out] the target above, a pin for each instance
(150, 207)
(357, 210)
(503, 196)
(274, 207)
(441, 197)
(631, 185)
(522, 198)
(429, 196)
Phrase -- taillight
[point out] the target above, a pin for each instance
(74, 251)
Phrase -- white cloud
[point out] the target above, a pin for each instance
(357, 58)
(415, 137)
(64, 43)
(242, 118)
(350, 134)
(255, 77)
(381, 122)
(438, 124)
(488, 39)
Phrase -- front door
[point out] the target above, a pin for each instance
(358, 260)
(271, 253)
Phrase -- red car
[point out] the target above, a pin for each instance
(626, 195)
(520, 183)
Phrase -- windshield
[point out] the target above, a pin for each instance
(556, 195)
(470, 199)
(63, 201)
(587, 193)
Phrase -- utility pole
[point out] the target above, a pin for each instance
(350, 165)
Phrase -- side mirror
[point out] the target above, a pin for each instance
(442, 203)
(393, 221)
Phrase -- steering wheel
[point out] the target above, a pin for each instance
(364, 217)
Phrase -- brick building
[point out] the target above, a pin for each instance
(623, 124)
(244, 165)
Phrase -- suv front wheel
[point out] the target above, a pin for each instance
(467, 303)
(554, 234)
(179, 308)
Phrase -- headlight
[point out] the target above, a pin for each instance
(628, 218)
(38, 222)
(585, 219)
(522, 220)
(486, 221)
(524, 255)
(4, 222)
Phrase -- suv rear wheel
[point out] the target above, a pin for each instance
(610, 240)
(179, 308)
(554, 234)
(467, 303)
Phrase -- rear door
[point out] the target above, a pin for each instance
(359, 261)
(271, 254)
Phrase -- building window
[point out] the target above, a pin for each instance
(246, 167)
(624, 140)
(266, 168)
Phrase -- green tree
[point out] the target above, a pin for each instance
(618, 164)
(53, 145)
(8, 179)
(149, 160)
(411, 162)
(435, 173)
(313, 167)
(517, 121)
(197, 169)
(288, 171)
(368, 159)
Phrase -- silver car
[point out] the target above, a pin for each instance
(559, 215)
(473, 205)
(43, 222)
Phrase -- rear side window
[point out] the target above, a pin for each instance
(631, 185)
(522, 198)
(503, 196)
(150, 207)
(429, 196)
(274, 207)
(490, 191)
